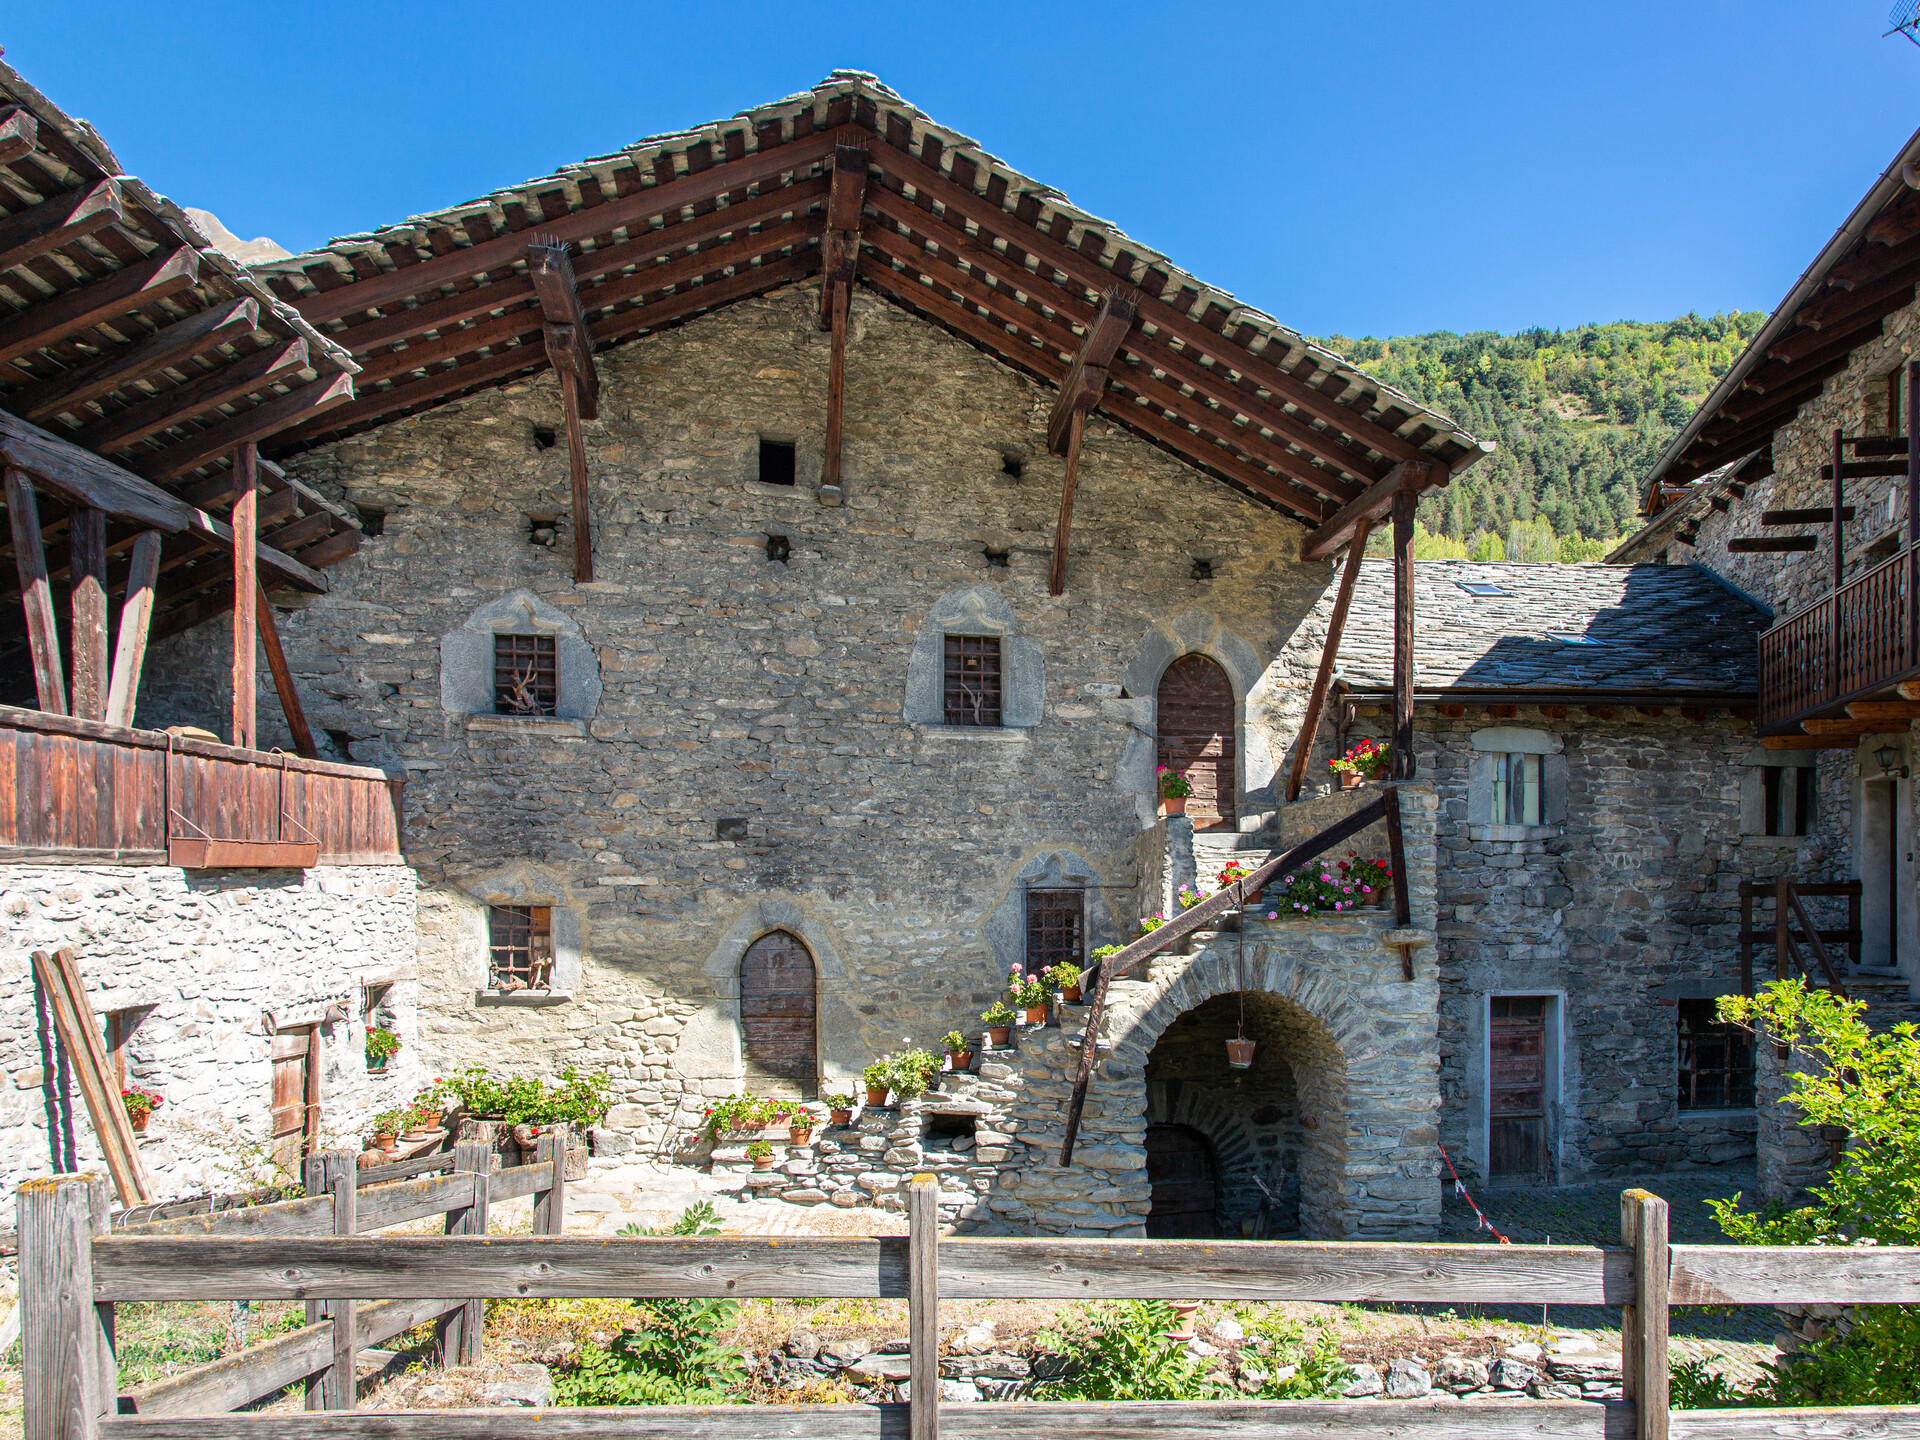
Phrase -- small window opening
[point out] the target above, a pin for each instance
(1896, 423)
(1516, 790)
(1716, 1060)
(996, 559)
(520, 947)
(543, 437)
(778, 548)
(776, 462)
(377, 1014)
(1203, 569)
(542, 529)
(1480, 587)
(949, 1132)
(373, 520)
(1787, 796)
(1012, 466)
(1056, 929)
(342, 743)
(972, 691)
(526, 678)
(730, 829)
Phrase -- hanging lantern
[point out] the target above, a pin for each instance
(1240, 1053)
(1240, 1049)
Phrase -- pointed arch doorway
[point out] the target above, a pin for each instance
(1194, 718)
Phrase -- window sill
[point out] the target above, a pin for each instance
(523, 999)
(552, 726)
(1513, 832)
(1779, 842)
(989, 734)
(1710, 1119)
(761, 487)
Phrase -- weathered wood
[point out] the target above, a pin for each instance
(1086, 381)
(549, 1203)
(36, 594)
(164, 349)
(1329, 657)
(297, 406)
(60, 221)
(508, 1266)
(1821, 516)
(1373, 505)
(338, 1384)
(1403, 652)
(66, 1373)
(87, 592)
(1633, 1350)
(923, 1306)
(1772, 544)
(517, 1180)
(647, 1422)
(459, 1337)
(1898, 711)
(282, 1220)
(229, 383)
(107, 298)
(1651, 1278)
(79, 1034)
(283, 686)
(1882, 1422)
(1057, 569)
(837, 305)
(571, 350)
(136, 619)
(18, 134)
(197, 854)
(1796, 1275)
(577, 472)
(246, 500)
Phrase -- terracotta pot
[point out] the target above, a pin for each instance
(840, 1117)
(1173, 804)
(876, 1097)
(765, 1162)
(139, 1122)
(385, 1142)
(1071, 994)
(799, 1134)
(1240, 1053)
(1036, 1014)
(1349, 779)
(997, 1035)
(960, 1059)
(1182, 1322)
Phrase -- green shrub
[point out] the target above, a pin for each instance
(1120, 1351)
(578, 1100)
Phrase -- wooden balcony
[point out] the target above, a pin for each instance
(1856, 644)
(81, 792)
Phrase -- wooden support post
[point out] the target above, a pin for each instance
(1403, 506)
(550, 1205)
(577, 464)
(1329, 657)
(459, 1336)
(68, 1374)
(334, 1173)
(136, 619)
(1643, 1324)
(246, 507)
(79, 1033)
(1839, 504)
(830, 489)
(87, 591)
(283, 680)
(1913, 514)
(1057, 573)
(1397, 860)
(30, 559)
(923, 1307)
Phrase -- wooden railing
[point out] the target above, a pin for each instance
(1781, 935)
(71, 1277)
(84, 793)
(1845, 645)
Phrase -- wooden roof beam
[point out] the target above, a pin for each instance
(219, 387)
(19, 133)
(60, 221)
(1086, 382)
(204, 446)
(846, 208)
(569, 347)
(107, 298)
(166, 347)
(1839, 307)
(1372, 505)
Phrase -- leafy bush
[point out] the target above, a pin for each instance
(742, 1112)
(1298, 1366)
(1316, 892)
(911, 1071)
(578, 1100)
(1120, 1351)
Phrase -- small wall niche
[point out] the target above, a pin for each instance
(1012, 466)
(544, 437)
(730, 829)
(543, 529)
(996, 559)
(779, 548)
(776, 462)
(373, 520)
(948, 1132)
(1202, 569)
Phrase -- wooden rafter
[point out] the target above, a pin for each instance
(1374, 505)
(60, 221)
(1086, 382)
(19, 132)
(204, 446)
(222, 386)
(89, 304)
(1329, 658)
(165, 348)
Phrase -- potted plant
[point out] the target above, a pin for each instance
(799, 1128)
(386, 1128)
(878, 1078)
(1174, 790)
(959, 1053)
(1237, 871)
(761, 1154)
(1363, 760)
(1064, 980)
(1187, 899)
(1151, 923)
(1371, 879)
(840, 1109)
(1315, 892)
(382, 1046)
(913, 1072)
(423, 1116)
(141, 1103)
(998, 1020)
(1029, 993)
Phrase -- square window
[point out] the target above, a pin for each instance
(519, 947)
(1480, 587)
(776, 462)
(1056, 928)
(972, 691)
(1786, 793)
(1716, 1061)
(1516, 790)
(526, 677)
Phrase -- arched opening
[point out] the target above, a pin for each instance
(1182, 1174)
(1194, 719)
(779, 1017)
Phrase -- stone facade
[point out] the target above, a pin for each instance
(198, 961)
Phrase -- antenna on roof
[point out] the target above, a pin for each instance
(1905, 19)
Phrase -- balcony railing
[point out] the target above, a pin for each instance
(1848, 645)
(80, 792)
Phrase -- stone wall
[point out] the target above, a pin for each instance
(199, 960)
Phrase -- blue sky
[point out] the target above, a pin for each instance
(1354, 169)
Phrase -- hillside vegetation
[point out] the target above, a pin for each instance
(1579, 417)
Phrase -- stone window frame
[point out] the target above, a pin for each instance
(1103, 921)
(1753, 796)
(1489, 744)
(564, 931)
(974, 610)
(467, 666)
(1734, 1037)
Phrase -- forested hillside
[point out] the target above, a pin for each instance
(1579, 417)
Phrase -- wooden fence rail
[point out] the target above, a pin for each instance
(72, 1274)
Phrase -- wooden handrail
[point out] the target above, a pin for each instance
(1813, 939)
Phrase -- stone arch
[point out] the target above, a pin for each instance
(1194, 632)
(466, 656)
(709, 1046)
(1005, 924)
(974, 610)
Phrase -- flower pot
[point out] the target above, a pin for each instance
(764, 1162)
(800, 1134)
(1349, 779)
(1182, 1322)
(840, 1117)
(997, 1035)
(1071, 994)
(1036, 1014)
(1240, 1053)
(876, 1097)
(385, 1143)
(415, 1137)
(139, 1122)
(960, 1059)
(1173, 804)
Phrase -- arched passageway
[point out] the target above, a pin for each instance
(779, 1016)
(1194, 717)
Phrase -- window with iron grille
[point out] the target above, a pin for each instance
(1716, 1061)
(526, 677)
(1056, 928)
(519, 947)
(973, 679)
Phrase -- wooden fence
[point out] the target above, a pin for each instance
(72, 1275)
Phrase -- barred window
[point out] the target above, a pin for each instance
(1716, 1061)
(973, 680)
(1056, 928)
(520, 947)
(526, 679)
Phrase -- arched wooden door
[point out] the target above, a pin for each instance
(1180, 1172)
(778, 1016)
(1195, 722)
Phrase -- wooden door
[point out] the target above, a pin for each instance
(295, 1111)
(1180, 1172)
(1195, 722)
(1517, 1094)
(778, 1016)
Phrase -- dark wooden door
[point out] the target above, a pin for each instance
(1195, 721)
(1180, 1171)
(295, 1109)
(778, 1016)
(1517, 1104)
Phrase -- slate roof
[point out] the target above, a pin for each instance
(1647, 629)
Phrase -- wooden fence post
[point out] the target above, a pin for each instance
(68, 1371)
(923, 1307)
(322, 1174)
(1643, 1325)
(550, 1205)
(460, 1330)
